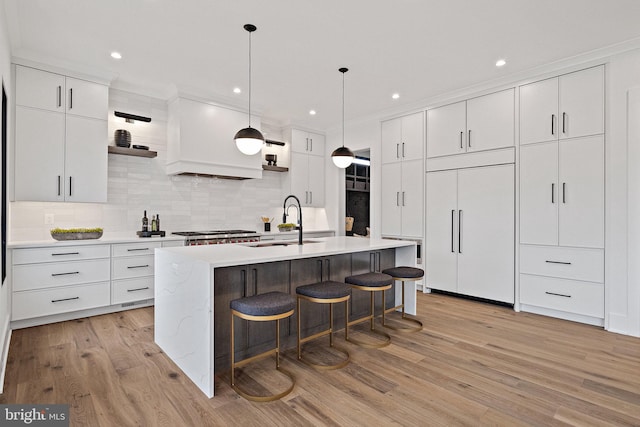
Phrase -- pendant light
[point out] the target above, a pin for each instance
(342, 157)
(249, 140)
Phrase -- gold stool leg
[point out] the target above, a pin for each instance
(371, 318)
(417, 323)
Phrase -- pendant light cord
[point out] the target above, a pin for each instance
(343, 108)
(249, 78)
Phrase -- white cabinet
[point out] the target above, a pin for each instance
(403, 138)
(483, 123)
(470, 232)
(305, 179)
(60, 138)
(402, 199)
(568, 106)
(307, 142)
(402, 176)
(57, 280)
(200, 141)
(132, 271)
(562, 193)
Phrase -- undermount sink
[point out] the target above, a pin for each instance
(280, 243)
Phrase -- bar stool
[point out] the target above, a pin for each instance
(404, 274)
(328, 292)
(370, 282)
(261, 308)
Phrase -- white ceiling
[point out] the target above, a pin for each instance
(418, 48)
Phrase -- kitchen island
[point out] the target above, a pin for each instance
(195, 284)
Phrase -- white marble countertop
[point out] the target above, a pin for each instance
(247, 253)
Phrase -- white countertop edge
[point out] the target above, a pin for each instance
(242, 254)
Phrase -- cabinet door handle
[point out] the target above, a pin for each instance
(66, 253)
(564, 119)
(469, 139)
(403, 199)
(138, 266)
(243, 278)
(553, 192)
(311, 143)
(397, 198)
(558, 295)
(453, 213)
(138, 289)
(553, 119)
(137, 249)
(59, 96)
(461, 136)
(70, 98)
(372, 262)
(397, 151)
(59, 183)
(378, 261)
(403, 149)
(460, 231)
(255, 281)
(70, 178)
(310, 197)
(564, 192)
(65, 274)
(64, 299)
(558, 262)
(307, 149)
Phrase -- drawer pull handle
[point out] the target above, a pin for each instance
(138, 289)
(66, 253)
(65, 274)
(558, 262)
(138, 266)
(558, 295)
(137, 249)
(64, 299)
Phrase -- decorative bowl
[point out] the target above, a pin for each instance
(76, 233)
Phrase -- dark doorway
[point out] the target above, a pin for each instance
(358, 184)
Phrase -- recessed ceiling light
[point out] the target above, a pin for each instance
(395, 96)
(237, 90)
(312, 112)
(116, 55)
(500, 62)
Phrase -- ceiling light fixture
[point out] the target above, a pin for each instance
(312, 112)
(116, 55)
(237, 90)
(131, 118)
(249, 140)
(500, 62)
(395, 96)
(342, 157)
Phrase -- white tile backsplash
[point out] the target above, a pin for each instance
(136, 184)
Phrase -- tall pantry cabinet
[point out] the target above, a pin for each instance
(61, 137)
(562, 196)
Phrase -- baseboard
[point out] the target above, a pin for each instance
(6, 340)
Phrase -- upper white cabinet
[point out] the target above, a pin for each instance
(402, 176)
(305, 179)
(403, 138)
(562, 193)
(568, 106)
(200, 141)
(60, 138)
(307, 142)
(477, 124)
(470, 232)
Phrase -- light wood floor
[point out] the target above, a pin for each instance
(473, 364)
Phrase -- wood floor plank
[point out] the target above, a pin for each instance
(473, 364)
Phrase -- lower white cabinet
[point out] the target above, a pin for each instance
(132, 270)
(470, 232)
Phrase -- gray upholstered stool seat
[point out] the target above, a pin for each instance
(328, 292)
(372, 283)
(261, 308)
(269, 304)
(404, 274)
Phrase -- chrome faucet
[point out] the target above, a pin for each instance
(284, 215)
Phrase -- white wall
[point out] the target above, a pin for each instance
(5, 76)
(136, 184)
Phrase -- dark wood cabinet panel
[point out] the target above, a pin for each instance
(367, 262)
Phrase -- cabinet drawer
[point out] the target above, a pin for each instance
(60, 253)
(586, 298)
(567, 263)
(126, 268)
(133, 249)
(45, 302)
(47, 275)
(129, 290)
